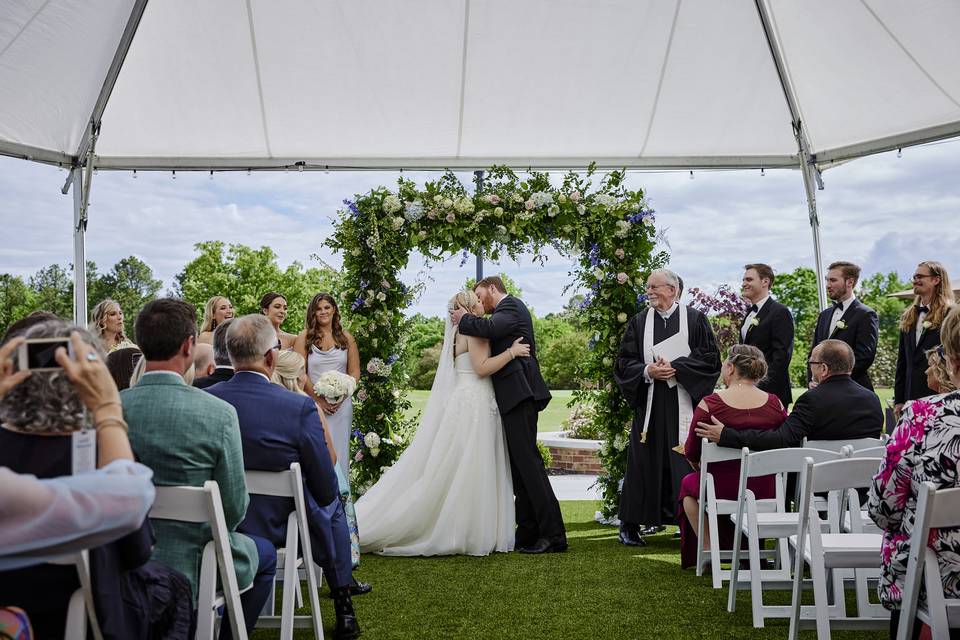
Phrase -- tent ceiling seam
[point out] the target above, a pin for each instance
(24, 27)
(256, 69)
(663, 72)
(463, 73)
(909, 55)
(796, 111)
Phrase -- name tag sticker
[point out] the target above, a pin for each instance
(84, 449)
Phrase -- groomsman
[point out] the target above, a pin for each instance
(768, 326)
(849, 320)
(920, 330)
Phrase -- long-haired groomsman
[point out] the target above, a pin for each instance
(849, 320)
(920, 330)
(768, 326)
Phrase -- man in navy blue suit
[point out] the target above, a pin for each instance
(278, 427)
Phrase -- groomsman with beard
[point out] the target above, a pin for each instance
(668, 361)
(849, 320)
(768, 326)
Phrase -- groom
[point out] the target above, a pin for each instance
(521, 394)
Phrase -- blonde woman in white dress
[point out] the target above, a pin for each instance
(450, 492)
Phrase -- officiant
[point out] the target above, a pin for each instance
(668, 362)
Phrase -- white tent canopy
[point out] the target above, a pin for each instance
(345, 84)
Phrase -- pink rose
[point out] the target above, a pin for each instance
(622, 277)
(529, 204)
(575, 196)
(432, 214)
(451, 217)
(361, 395)
(493, 199)
(358, 457)
(619, 253)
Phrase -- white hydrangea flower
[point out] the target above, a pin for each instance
(464, 205)
(372, 440)
(413, 211)
(392, 204)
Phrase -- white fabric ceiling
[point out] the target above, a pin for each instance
(443, 83)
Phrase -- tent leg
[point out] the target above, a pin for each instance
(79, 250)
(810, 188)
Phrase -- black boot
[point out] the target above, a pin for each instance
(630, 536)
(347, 626)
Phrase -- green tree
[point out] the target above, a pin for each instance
(561, 359)
(52, 289)
(798, 291)
(244, 274)
(875, 292)
(16, 299)
(423, 334)
(425, 368)
(131, 283)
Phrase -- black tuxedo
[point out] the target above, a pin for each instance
(836, 409)
(911, 379)
(861, 332)
(220, 374)
(521, 394)
(772, 333)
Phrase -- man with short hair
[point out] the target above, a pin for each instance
(221, 358)
(836, 408)
(848, 320)
(668, 361)
(188, 437)
(203, 364)
(279, 427)
(768, 326)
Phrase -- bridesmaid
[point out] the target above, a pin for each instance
(324, 345)
(107, 324)
(274, 306)
(217, 310)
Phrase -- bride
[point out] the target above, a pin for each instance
(450, 492)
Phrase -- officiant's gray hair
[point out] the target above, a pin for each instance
(672, 278)
(249, 338)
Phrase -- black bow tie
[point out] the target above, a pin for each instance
(838, 305)
(753, 309)
(923, 309)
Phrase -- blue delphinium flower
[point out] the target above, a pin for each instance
(393, 358)
(354, 209)
(356, 304)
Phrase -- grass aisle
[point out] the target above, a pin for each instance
(598, 589)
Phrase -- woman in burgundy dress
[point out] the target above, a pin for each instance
(741, 405)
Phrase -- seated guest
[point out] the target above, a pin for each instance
(188, 437)
(106, 322)
(924, 447)
(938, 376)
(203, 364)
(122, 364)
(836, 408)
(17, 328)
(279, 427)
(741, 405)
(221, 359)
(217, 310)
(41, 417)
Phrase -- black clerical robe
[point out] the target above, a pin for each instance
(651, 481)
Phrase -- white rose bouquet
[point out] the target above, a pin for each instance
(335, 386)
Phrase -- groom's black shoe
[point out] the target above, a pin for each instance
(347, 627)
(631, 537)
(652, 529)
(546, 545)
(360, 588)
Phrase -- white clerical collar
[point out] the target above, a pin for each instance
(669, 312)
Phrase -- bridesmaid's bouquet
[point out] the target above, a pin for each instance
(335, 386)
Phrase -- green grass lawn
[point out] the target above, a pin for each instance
(552, 417)
(599, 589)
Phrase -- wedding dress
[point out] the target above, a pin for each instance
(450, 492)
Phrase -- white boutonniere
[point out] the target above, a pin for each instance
(927, 324)
(841, 325)
(755, 322)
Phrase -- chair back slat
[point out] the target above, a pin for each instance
(870, 452)
(712, 452)
(849, 473)
(945, 511)
(269, 483)
(765, 463)
(186, 504)
(836, 445)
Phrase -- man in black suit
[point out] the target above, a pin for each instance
(221, 358)
(849, 320)
(768, 326)
(521, 393)
(837, 408)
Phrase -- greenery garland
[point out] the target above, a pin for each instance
(606, 228)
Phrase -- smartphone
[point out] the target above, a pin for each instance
(37, 354)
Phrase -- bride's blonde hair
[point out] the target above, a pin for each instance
(466, 300)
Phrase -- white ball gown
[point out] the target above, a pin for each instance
(450, 492)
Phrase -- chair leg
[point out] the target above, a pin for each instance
(206, 617)
(735, 568)
(289, 580)
(76, 627)
(797, 590)
(756, 576)
(714, 535)
(821, 603)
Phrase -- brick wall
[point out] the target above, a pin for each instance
(579, 460)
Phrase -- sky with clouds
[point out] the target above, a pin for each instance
(884, 212)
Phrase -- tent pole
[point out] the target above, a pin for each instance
(79, 250)
(807, 160)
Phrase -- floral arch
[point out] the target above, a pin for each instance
(607, 229)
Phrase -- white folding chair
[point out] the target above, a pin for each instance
(936, 509)
(834, 550)
(289, 484)
(203, 505)
(764, 524)
(709, 508)
(860, 522)
(80, 609)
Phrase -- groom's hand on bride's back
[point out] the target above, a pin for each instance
(519, 349)
(456, 315)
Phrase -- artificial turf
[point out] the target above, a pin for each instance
(598, 589)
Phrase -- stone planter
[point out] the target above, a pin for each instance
(571, 454)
